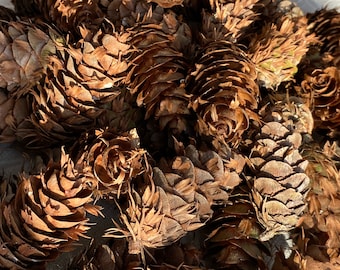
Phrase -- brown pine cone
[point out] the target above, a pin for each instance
(279, 182)
(234, 230)
(24, 56)
(322, 217)
(321, 88)
(45, 215)
(112, 161)
(230, 19)
(67, 15)
(325, 24)
(224, 92)
(158, 69)
(79, 84)
(278, 49)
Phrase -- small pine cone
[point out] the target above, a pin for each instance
(158, 69)
(279, 182)
(112, 161)
(322, 88)
(68, 16)
(45, 215)
(278, 49)
(224, 92)
(24, 55)
(323, 215)
(325, 24)
(79, 81)
(234, 231)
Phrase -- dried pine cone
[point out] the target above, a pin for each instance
(176, 198)
(234, 231)
(66, 15)
(112, 161)
(79, 83)
(47, 212)
(279, 182)
(165, 211)
(224, 169)
(224, 92)
(158, 69)
(318, 78)
(230, 19)
(321, 87)
(24, 55)
(325, 24)
(322, 217)
(278, 48)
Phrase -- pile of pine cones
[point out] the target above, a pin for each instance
(212, 126)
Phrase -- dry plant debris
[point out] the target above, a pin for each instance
(211, 127)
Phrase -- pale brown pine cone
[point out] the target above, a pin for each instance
(278, 179)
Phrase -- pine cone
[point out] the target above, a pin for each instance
(68, 16)
(158, 69)
(325, 24)
(112, 161)
(224, 92)
(279, 183)
(24, 55)
(321, 87)
(234, 231)
(175, 198)
(323, 201)
(165, 211)
(80, 81)
(47, 212)
(230, 19)
(278, 48)
(224, 169)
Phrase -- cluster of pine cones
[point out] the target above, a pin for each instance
(211, 126)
